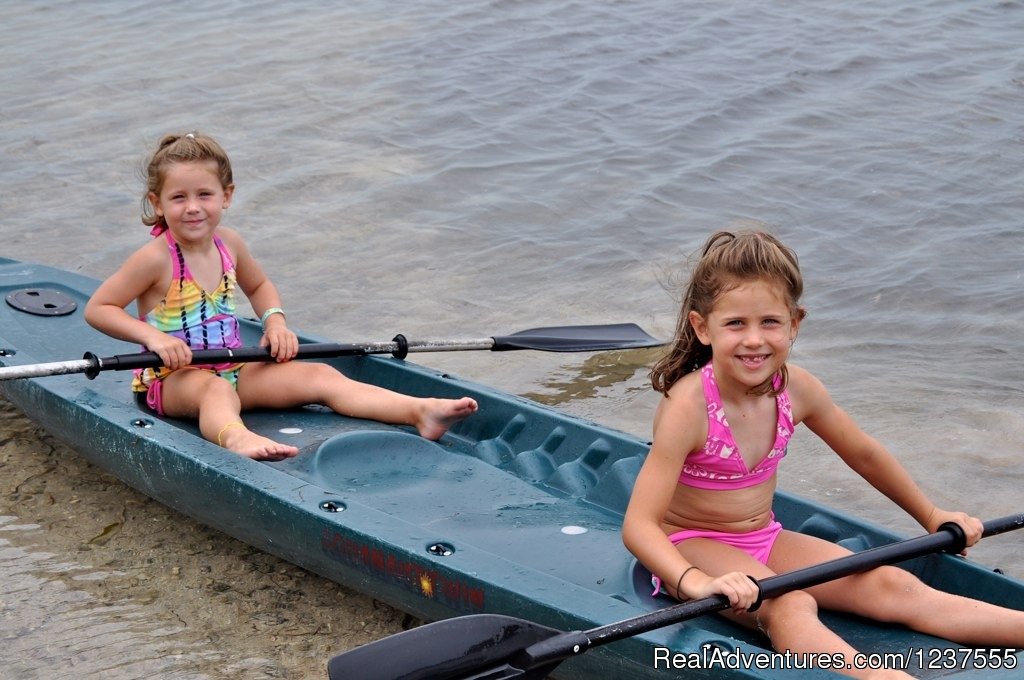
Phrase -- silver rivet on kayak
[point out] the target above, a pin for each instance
(5, 352)
(573, 530)
(575, 649)
(719, 645)
(290, 430)
(332, 506)
(441, 549)
(143, 423)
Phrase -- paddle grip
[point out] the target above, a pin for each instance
(959, 537)
(94, 365)
(403, 347)
(552, 649)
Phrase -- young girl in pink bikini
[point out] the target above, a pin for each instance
(184, 283)
(700, 516)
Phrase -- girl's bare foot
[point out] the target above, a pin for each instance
(244, 441)
(437, 415)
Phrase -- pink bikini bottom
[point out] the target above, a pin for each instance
(758, 543)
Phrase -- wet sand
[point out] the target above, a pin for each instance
(166, 596)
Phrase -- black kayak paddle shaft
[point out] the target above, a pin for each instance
(593, 338)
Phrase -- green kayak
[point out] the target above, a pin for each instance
(515, 511)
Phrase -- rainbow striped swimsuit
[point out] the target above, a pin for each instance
(203, 320)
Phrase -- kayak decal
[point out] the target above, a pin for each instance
(412, 575)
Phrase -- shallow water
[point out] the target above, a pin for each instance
(476, 168)
(102, 582)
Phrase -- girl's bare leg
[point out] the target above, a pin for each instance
(894, 595)
(297, 383)
(193, 393)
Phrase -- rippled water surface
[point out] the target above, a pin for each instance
(480, 167)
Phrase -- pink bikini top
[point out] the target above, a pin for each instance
(719, 464)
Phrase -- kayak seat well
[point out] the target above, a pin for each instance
(401, 468)
(368, 461)
(454, 497)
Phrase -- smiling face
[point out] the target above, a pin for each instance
(750, 330)
(191, 200)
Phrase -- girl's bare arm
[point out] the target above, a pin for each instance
(106, 312)
(868, 457)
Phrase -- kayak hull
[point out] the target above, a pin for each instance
(515, 511)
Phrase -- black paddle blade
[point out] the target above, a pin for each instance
(578, 338)
(463, 648)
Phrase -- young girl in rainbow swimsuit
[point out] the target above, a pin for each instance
(184, 283)
(700, 516)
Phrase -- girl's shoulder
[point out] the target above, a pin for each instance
(806, 392)
(234, 243)
(146, 270)
(684, 406)
(152, 254)
(688, 387)
(800, 379)
(227, 233)
(229, 237)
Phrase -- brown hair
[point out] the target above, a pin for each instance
(727, 261)
(187, 148)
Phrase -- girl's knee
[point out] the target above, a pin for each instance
(891, 591)
(325, 380)
(782, 610)
(217, 387)
(326, 371)
(887, 594)
(215, 392)
(889, 584)
(307, 371)
(186, 391)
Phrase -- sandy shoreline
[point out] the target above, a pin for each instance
(165, 595)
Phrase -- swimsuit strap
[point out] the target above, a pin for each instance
(785, 409)
(179, 269)
(226, 263)
(718, 426)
